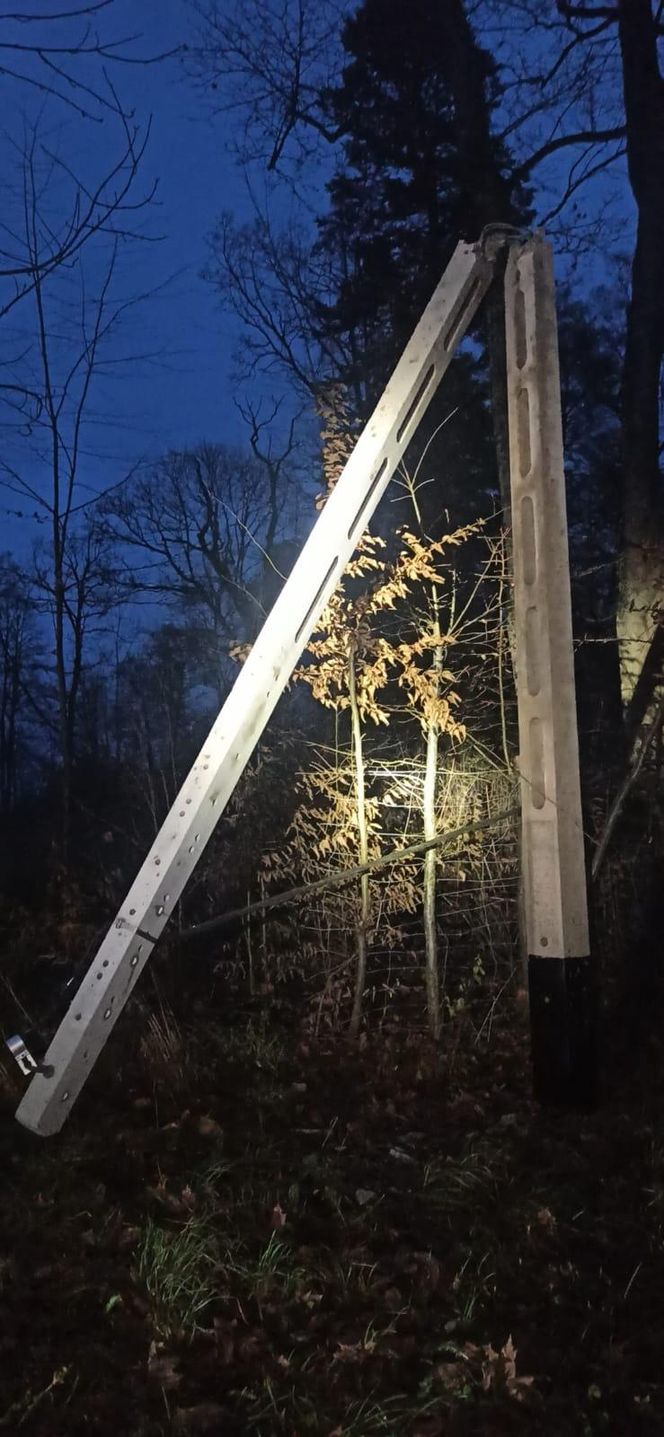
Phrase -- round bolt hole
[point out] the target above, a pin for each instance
(78, 1017)
(132, 912)
(188, 800)
(157, 862)
(99, 975)
(105, 963)
(544, 942)
(181, 813)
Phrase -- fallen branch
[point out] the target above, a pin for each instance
(623, 794)
(348, 875)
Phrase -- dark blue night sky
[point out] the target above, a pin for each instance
(184, 393)
(180, 389)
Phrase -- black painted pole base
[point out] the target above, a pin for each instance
(563, 1027)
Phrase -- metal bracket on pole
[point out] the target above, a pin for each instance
(22, 1055)
(226, 752)
(554, 870)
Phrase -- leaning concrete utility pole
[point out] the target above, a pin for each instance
(553, 851)
(553, 854)
(186, 830)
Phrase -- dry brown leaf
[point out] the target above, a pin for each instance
(209, 1127)
(163, 1367)
(225, 1335)
(363, 1196)
(499, 1370)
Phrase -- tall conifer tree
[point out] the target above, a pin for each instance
(410, 183)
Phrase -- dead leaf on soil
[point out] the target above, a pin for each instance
(465, 1108)
(423, 1267)
(363, 1196)
(225, 1336)
(209, 1127)
(177, 1207)
(353, 1351)
(400, 1346)
(452, 1375)
(205, 1417)
(163, 1367)
(499, 1371)
(251, 1346)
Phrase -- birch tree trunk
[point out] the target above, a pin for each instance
(642, 572)
(429, 826)
(362, 927)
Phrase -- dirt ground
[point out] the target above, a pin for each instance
(262, 1234)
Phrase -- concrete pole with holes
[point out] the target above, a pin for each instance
(554, 870)
(189, 825)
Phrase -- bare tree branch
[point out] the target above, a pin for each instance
(563, 142)
(587, 12)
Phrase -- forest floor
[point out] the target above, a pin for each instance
(281, 1236)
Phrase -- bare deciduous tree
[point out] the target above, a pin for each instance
(69, 337)
(64, 56)
(581, 91)
(271, 63)
(203, 529)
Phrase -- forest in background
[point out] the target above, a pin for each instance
(401, 720)
(306, 1188)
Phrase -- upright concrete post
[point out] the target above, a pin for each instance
(554, 872)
